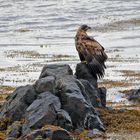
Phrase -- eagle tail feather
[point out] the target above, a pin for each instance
(96, 68)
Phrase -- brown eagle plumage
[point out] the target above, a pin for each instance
(90, 52)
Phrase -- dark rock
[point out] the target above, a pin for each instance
(110, 108)
(45, 84)
(102, 95)
(61, 135)
(14, 131)
(83, 91)
(93, 93)
(82, 72)
(17, 102)
(58, 71)
(57, 98)
(43, 110)
(46, 109)
(97, 96)
(51, 133)
(47, 132)
(134, 96)
(93, 121)
(121, 110)
(64, 120)
(75, 104)
(25, 129)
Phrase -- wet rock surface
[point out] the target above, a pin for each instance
(58, 71)
(134, 96)
(45, 84)
(74, 102)
(96, 95)
(82, 72)
(17, 102)
(57, 98)
(61, 135)
(42, 111)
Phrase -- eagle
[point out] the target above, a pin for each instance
(91, 52)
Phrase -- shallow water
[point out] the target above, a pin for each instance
(34, 33)
(54, 22)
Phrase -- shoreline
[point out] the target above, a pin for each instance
(122, 122)
(122, 76)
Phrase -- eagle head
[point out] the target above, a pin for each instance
(84, 27)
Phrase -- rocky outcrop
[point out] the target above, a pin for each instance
(77, 103)
(42, 111)
(45, 84)
(82, 72)
(134, 96)
(97, 96)
(14, 130)
(58, 71)
(17, 102)
(57, 98)
(46, 109)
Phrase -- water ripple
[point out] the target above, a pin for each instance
(60, 18)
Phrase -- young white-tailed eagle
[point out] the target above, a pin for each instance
(90, 52)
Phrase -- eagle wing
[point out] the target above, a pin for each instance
(93, 53)
(95, 49)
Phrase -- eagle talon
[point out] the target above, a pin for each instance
(84, 62)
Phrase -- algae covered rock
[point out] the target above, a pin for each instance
(50, 132)
(14, 130)
(38, 133)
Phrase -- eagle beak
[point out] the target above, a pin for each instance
(88, 28)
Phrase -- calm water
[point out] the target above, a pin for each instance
(35, 32)
(54, 22)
